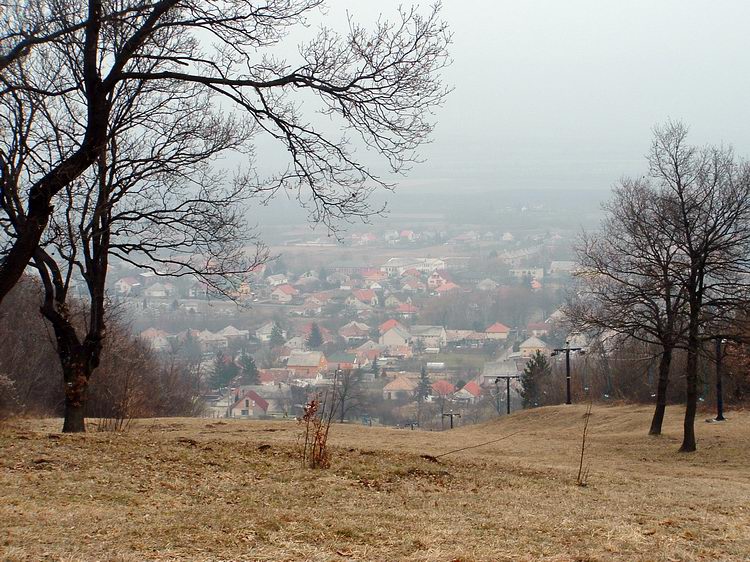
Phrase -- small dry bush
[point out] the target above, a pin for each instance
(315, 426)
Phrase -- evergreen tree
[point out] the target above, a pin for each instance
(277, 336)
(315, 338)
(422, 392)
(423, 386)
(225, 370)
(536, 369)
(250, 374)
(375, 369)
(190, 348)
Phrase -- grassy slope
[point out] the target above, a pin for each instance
(184, 489)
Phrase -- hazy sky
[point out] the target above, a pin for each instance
(563, 94)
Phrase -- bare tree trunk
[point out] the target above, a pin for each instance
(691, 376)
(661, 392)
(76, 380)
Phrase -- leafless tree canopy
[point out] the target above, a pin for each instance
(82, 59)
(671, 265)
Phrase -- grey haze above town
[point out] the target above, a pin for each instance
(563, 95)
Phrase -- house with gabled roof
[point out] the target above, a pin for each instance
(212, 342)
(471, 392)
(530, 346)
(126, 285)
(160, 291)
(306, 364)
(296, 342)
(233, 334)
(395, 337)
(537, 329)
(248, 404)
(498, 331)
(354, 331)
(370, 345)
(284, 293)
(311, 307)
(364, 296)
(412, 285)
(429, 336)
(325, 333)
(494, 369)
(400, 388)
(272, 399)
(388, 324)
(274, 376)
(398, 352)
(406, 310)
(343, 361)
(447, 288)
(392, 301)
(264, 332)
(158, 340)
(442, 388)
(437, 278)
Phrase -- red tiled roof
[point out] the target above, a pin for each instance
(473, 387)
(286, 289)
(267, 376)
(388, 324)
(368, 355)
(364, 295)
(252, 395)
(401, 383)
(497, 328)
(443, 388)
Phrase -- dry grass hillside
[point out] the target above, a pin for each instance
(191, 489)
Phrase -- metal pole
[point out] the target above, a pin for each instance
(497, 396)
(507, 395)
(719, 395)
(567, 376)
(451, 415)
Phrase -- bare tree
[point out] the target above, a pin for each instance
(626, 283)
(348, 393)
(152, 201)
(381, 85)
(707, 195)
(672, 263)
